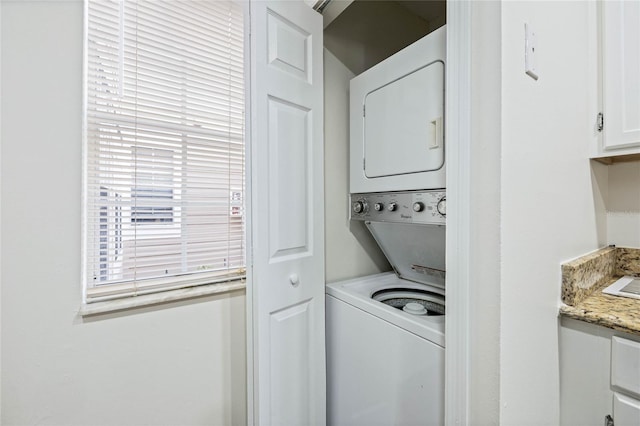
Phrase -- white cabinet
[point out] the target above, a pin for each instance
(620, 77)
(625, 366)
(599, 375)
(625, 380)
(626, 411)
(585, 393)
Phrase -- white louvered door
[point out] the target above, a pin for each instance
(286, 281)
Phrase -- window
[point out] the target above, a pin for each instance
(153, 193)
(164, 145)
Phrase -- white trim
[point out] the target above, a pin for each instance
(249, 184)
(84, 189)
(161, 297)
(458, 131)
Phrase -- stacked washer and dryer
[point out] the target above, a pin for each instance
(385, 332)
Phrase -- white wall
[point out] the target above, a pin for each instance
(350, 249)
(548, 207)
(623, 205)
(484, 260)
(180, 363)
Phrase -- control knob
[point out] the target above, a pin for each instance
(418, 206)
(359, 207)
(442, 206)
(392, 207)
(378, 207)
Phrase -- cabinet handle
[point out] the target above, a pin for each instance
(608, 420)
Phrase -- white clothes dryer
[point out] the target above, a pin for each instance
(397, 120)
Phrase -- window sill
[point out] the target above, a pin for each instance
(88, 309)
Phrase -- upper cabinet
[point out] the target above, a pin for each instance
(620, 78)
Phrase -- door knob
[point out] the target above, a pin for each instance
(294, 279)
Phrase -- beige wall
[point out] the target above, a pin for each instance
(180, 363)
(549, 204)
(623, 204)
(368, 32)
(350, 250)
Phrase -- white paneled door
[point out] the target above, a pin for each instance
(286, 275)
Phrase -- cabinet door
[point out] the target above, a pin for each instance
(621, 73)
(626, 411)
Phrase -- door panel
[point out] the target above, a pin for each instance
(289, 146)
(291, 366)
(289, 46)
(286, 278)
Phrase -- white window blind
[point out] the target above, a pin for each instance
(164, 157)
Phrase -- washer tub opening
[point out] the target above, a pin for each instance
(413, 301)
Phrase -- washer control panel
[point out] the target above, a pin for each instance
(404, 207)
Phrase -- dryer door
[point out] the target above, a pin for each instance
(403, 124)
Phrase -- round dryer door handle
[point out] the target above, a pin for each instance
(294, 279)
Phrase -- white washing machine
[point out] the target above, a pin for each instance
(385, 332)
(397, 120)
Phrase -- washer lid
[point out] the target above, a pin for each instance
(415, 251)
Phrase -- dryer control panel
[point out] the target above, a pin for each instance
(428, 207)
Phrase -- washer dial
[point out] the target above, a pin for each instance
(442, 206)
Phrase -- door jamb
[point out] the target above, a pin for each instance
(458, 131)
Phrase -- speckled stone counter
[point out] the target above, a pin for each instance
(583, 280)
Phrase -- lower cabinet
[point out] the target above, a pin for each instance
(626, 410)
(599, 375)
(625, 381)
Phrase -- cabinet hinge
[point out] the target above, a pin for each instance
(608, 420)
(600, 121)
(364, 110)
(364, 163)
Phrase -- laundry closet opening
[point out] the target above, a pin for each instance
(385, 209)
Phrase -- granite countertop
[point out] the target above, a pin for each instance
(584, 279)
(616, 312)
